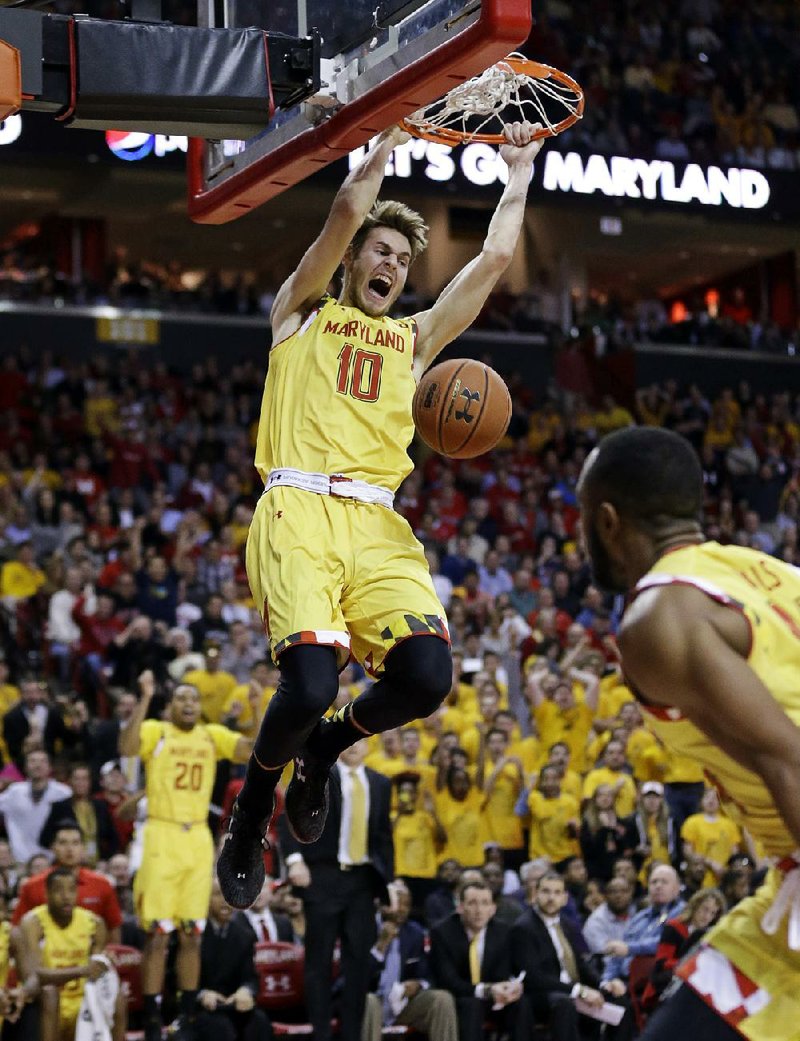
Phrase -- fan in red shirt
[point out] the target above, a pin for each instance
(95, 892)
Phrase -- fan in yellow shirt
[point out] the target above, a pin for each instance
(613, 773)
(554, 819)
(21, 578)
(245, 705)
(213, 684)
(418, 836)
(502, 780)
(713, 836)
(557, 713)
(173, 884)
(458, 808)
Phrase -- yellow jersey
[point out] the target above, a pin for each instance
(337, 398)
(464, 827)
(181, 766)
(549, 834)
(67, 948)
(716, 840)
(767, 592)
(501, 824)
(213, 688)
(415, 845)
(5, 953)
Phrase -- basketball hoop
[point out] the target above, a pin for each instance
(515, 89)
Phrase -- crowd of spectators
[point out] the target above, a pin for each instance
(707, 81)
(601, 322)
(126, 494)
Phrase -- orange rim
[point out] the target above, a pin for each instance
(521, 67)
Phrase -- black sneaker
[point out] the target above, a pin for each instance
(307, 797)
(240, 865)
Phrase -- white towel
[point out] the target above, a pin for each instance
(96, 1017)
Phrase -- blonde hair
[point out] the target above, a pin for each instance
(396, 215)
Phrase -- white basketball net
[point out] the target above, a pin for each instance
(502, 95)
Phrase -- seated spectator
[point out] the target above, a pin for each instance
(735, 885)
(506, 907)
(711, 835)
(546, 947)
(266, 923)
(643, 932)
(19, 1005)
(64, 941)
(25, 805)
(679, 936)
(226, 1006)
(654, 827)
(400, 979)
(100, 837)
(442, 901)
(286, 902)
(470, 958)
(610, 920)
(94, 891)
(554, 818)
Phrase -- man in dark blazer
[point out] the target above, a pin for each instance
(546, 946)
(228, 983)
(341, 875)
(399, 962)
(101, 838)
(470, 957)
(265, 923)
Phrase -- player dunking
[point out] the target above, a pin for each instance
(710, 642)
(332, 567)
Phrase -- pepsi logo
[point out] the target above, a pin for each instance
(130, 145)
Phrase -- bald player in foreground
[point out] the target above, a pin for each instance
(710, 643)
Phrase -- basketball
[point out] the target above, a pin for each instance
(461, 408)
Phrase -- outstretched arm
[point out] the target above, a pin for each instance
(128, 744)
(353, 202)
(461, 301)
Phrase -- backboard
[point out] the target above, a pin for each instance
(380, 60)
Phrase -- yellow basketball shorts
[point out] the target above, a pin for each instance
(341, 573)
(173, 885)
(747, 975)
(69, 1007)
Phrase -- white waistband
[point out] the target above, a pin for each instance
(336, 484)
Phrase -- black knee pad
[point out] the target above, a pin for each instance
(309, 682)
(423, 668)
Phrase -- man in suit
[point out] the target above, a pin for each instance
(400, 971)
(100, 837)
(341, 875)
(470, 957)
(546, 946)
(265, 923)
(228, 981)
